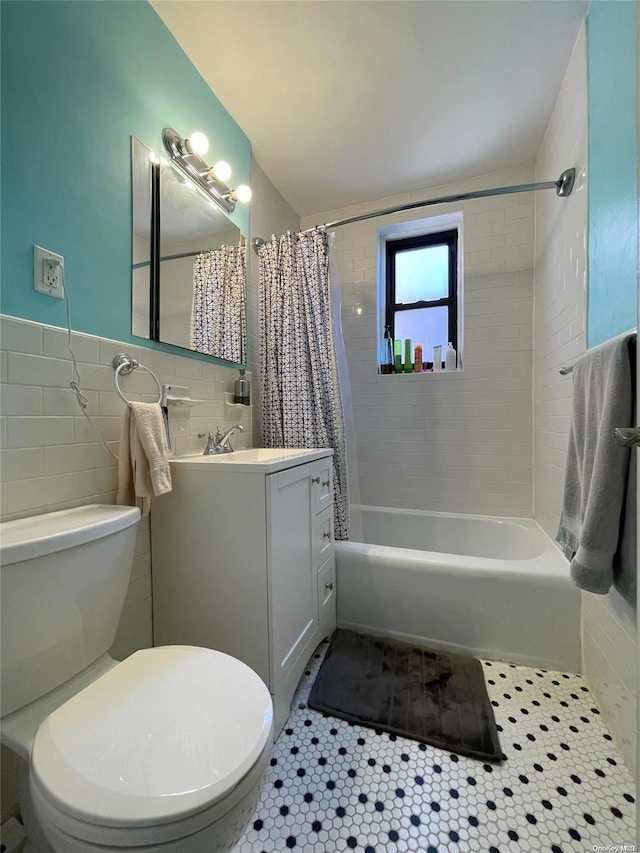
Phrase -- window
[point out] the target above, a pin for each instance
(422, 290)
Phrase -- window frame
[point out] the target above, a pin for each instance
(448, 237)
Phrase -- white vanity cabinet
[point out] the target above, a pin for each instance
(243, 561)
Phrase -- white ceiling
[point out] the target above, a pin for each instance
(347, 101)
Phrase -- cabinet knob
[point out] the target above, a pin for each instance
(329, 585)
(326, 535)
(315, 479)
(325, 483)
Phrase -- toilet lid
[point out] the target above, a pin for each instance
(166, 733)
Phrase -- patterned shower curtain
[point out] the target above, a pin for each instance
(219, 315)
(301, 402)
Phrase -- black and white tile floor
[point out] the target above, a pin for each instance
(562, 787)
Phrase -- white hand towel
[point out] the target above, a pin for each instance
(143, 470)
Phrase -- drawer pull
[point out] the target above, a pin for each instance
(329, 585)
(326, 535)
(325, 483)
(315, 479)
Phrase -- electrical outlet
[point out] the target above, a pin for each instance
(48, 272)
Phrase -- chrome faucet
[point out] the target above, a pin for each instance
(223, 443)
(212, 442)
(219, 443)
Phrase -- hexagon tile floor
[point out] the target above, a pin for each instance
(334, 786)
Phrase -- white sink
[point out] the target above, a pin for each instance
(260, 454)
(264, 460)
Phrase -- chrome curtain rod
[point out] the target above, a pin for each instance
(186, 254)
(175, 257)
(563, 187)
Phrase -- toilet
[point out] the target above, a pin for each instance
(165, 751)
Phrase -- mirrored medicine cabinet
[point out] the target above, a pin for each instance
(188, 263)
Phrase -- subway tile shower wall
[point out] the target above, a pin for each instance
(51, 457)
(609, 631)
(452, 442)
(560, 292)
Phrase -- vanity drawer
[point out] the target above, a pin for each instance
(327, 596)
(322, 537)
(322, 483)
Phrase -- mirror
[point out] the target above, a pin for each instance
(189, 264)
(141, 278)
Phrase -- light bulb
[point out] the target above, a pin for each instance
(197, 143)
(241, 193)
(221, 170)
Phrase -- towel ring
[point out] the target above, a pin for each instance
(124, 364)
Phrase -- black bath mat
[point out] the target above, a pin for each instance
(430, 696)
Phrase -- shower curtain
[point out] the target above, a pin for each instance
(301, 402)
(218, 314)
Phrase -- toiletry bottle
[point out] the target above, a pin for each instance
(450, 359)
(242, 389)
(417, 359)
(387, 352)
(397, 357)
(437, 358)
(408, 363)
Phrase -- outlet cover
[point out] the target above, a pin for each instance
(48, 272)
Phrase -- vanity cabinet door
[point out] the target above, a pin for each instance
(293, 595)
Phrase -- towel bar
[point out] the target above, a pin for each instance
(124, 364)
(631, 334)
(627, 436)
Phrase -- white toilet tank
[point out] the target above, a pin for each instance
(64, 577)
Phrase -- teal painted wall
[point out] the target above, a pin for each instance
(612, 169)
(78, 80)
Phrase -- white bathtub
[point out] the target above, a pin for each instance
(489, 587)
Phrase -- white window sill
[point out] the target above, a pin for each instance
(436, 374)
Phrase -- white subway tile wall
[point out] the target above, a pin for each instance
(559, 291)
(52, 458)
(453, 442)
(609, 632)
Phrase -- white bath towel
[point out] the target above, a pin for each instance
(143, 470)
(596, 472)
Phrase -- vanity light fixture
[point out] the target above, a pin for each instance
(221, 170)
(241, 193)
(187, 156)
(197, 144)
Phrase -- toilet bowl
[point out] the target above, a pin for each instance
(165, 751)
